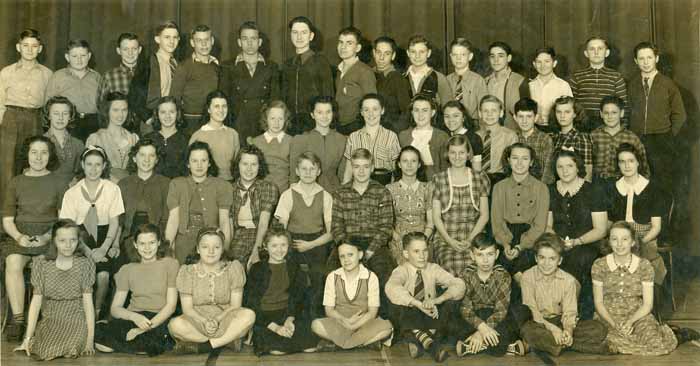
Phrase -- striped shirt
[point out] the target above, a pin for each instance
(605, 152)
(591, 85)
(551, 296)
(385, 147)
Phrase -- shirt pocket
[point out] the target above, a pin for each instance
(382, 157)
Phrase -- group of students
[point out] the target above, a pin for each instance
(437, 209)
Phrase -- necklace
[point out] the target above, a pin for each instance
(625, 267)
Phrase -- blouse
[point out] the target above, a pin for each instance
(215, 194)
(211, 288)
(109, 202)
(649, 201)
(572, 214)
(148, 295)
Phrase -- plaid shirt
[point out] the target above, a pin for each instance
(369, 215)
(492, 293)
(605, 148)
(579, 141)
(116, 80)
(263, 197)
(544, 147)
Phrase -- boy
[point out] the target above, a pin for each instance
(591, 84)
(250, 81)
(79, 83)
(363, 213)
(195, 77)
(422, 78)
(423, 315)
(349, 324)
(304, 76)
(495, 137)
(162, 63)
(391, 85)
(525, 116)
(486, 303)
(608, 137)
(551, 296)
(22, 86)
(506, 85)
(657, 112)
(355, 79)
(468, 86)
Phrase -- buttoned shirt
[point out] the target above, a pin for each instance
(215, 194)
(501, 137)
(605, 152)
(385, 147)
(262, 196)
(493, 293)
(401, 285)
(579, 141)
(23, 85)
(166, 73)
(551, 296)
(117, 79)
(81, 91)
(525, 202)
(109, 203)
(544, 147)
(351, 287)
(546, 93)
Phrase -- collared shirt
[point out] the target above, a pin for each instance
(117, 79)
(286, 202)
(546, 94)
(473, 89)
(262, 196)
(605, 148)
(590, 85)
(396, 91)
(210, 59)
(215, 194)
(544, 147)
(23, 86)
(355, 81)
(525, 202)
(650, 77)
(329, 148)
(151, 193)
(68, 154)
(369, 215)
(550, 296)
(385, 148)
(579, 141)
(497, 85)
(345, 65)
(493, 293)
(402, 283)
(166, 73)
(269, 137)
(109, 203)
(443, 92)
(630, 191)
(251, 67)
(81, 91)
(501, 137)
(351, 287)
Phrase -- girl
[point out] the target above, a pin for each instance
(211, 294)
(382, 143)
(459, 123)
(62, 281)
(222, 139)
(142, 327)
(113, 137)
(254, 201)
(95, 203)
(568, 137)
(306, 210)
(31, 205)
(58, 113)
(168, 125)
(197, 201)
(144, 192)
(460, 207)
(351, 299)
(640, 202)
(324, 141)
(426, 139)
(546, 86)
(623, 289)
(413, 200)
(275, 292)
(519, 208)
(275, 143)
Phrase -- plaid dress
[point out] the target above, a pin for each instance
(460, 211)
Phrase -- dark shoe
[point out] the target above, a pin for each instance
(14, 331)
(684, 335)
(415, 350)
(439, 352)
(325, 346)
(185, 348)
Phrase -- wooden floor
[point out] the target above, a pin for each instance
(687, 314)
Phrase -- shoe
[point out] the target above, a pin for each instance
(519, 348)
(415, 350)
(325, 346)
(438, 352)
(461, 348)
(102, 348)
(185, 348)
(14, 331)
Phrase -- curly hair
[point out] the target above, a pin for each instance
(423, 98)
(217, 94)
(163, 245)
(579, 112)
(213, 170)
(420, 173)
(46, 110)
(96, 151)
(131, 164)
(23, 158)
(578, 160)
(265, 111)
(534, 167)
(179, 120)
(250, 150)
(130, 122)
(468, 123)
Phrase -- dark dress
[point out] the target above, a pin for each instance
(172, 162)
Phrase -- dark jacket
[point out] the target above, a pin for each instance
(259, 280)
(301, 82)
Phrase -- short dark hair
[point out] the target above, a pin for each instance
(599, 38)
(169, 24)
(203, 146)
(468, 122)
(411, 237)
(78, 43)
(29, 33)
(388, 40)
(351, 31)
(200, 28)
(250, 149)
(217, 94)
(322, 99)
(422, 98)
(52, 250)
(23, 158)
(58, 99)
(180, 122)
(419, 38)
(627, 147)
(483, 241)
(612, 99)
(420, 174)
(146, 141)
(110, 98)
(548, 50)
(266, 110)
(96, 151)
(461, 41)
(502, 45)
(248, 24)
(376, 96)
(163, 247)
(302, 19)
(578, 160)
(534, 168)
(549, 240)
(525, 104)
(277, 232)
(127, 36)
(643, 45)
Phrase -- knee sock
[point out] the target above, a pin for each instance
(425, 338)
(18, 318)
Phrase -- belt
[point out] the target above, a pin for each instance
(21, 109)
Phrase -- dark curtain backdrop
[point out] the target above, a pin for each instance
(525, 24)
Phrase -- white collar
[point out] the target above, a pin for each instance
(411, 70)
(345, 65)
(570, 190)
(297, 188)
(638, 187)
(461, 131)
(634, 264)
(210, 59)
(412, 187)
(82, 184)
(207, 127)
(364, 273)
(268, 137)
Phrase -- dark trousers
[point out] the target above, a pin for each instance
(314, 262)
(265, 340)
(661, 154)
(507, 328)
(84, 125)
(589, 336)
(448, 324)
(154, 342)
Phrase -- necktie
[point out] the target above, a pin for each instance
(646, 86)
(419, 291)
(459, 93)
(486, 152)
(173, 64)
(91, 219)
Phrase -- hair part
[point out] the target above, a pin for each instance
(29, 33)
(180, 122)
(62, 224)
(467, 123)
(131, 166)
(578, 160)
(266, 112)
(58, 99)
(213, 170)
(163, 245)
(526, 104)
(412, 237)
(95, 151)
(534, 166)
(23, 158)
(250, 149)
